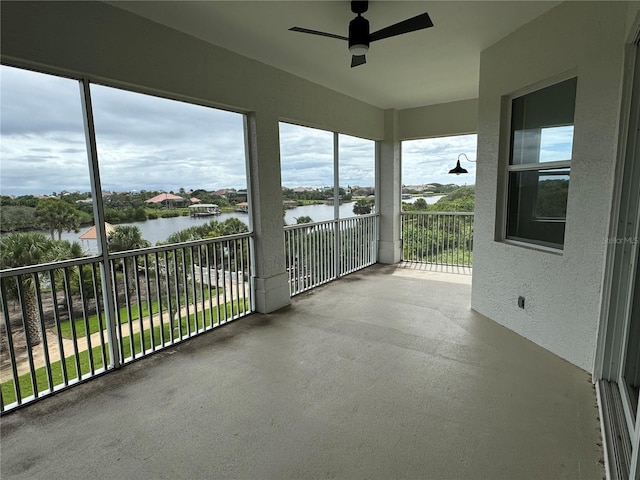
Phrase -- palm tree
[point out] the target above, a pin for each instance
(57, 216)
(18, 250)
(232, 226)
(124, 238)
(64, 250)
(127, 237)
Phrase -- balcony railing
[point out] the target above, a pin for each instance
(439, 238)
(57, 329)
(311, 248)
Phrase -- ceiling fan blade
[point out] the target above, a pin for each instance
(410, 25)
(315, 32)
(357, 60)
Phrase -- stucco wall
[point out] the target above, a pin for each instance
(443, 119)
(562, 291)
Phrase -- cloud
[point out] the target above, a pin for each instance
(144, 142)
(28, 169)
(307, 158)
(556, 143)
(164, 144)
(150, 143)
(429, 160)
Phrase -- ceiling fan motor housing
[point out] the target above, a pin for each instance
(359, 7)
(359, 33)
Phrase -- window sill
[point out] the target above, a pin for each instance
(533, 246)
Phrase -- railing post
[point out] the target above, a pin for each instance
(98, 215)
(336, 206)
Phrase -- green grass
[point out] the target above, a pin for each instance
(26, 389)
(177, 211)
(95, 324)
(136, 343)
(462, 257)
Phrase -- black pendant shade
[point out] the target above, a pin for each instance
(458, 170)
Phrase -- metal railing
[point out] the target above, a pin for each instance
(57, 330)
(310, 250)
(444, 238)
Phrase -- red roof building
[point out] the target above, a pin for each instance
(166, 198)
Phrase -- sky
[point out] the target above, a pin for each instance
(151, 143)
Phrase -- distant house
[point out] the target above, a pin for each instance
(242, 207)
(168, 199)
(194, 200)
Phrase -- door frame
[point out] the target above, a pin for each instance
(622, 250)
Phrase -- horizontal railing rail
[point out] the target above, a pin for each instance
(443, 238)
(55, 329)
(319, 252)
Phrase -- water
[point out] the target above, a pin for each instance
(158, 230)
(431, 199)
(318, 213)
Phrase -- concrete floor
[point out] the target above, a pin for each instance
(385, 374)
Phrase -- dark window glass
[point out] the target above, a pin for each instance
(537, 206)
(539, 168)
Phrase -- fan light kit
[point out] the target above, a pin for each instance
(359, 37)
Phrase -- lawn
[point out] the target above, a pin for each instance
(96, 324)
(132, 347)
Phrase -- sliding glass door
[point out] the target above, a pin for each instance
(619, 382)
(629, 380)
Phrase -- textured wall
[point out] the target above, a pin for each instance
(453, 118)
(562, 290)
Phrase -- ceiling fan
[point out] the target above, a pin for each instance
(359, 37)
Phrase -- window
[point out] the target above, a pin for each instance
(159, 156)
(149, 148)
(309, 160)
(425, 173)
(540, 164)
(44, 186)
(357, 174)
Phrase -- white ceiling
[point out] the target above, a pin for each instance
(436, 65)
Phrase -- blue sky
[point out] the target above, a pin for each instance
(150, 143)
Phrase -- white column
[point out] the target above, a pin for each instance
(271, 282)
(389, 190)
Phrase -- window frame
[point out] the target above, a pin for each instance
(507, 168)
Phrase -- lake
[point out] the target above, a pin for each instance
(431, 199)
(158, 230)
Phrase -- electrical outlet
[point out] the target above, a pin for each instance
(521, 302)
